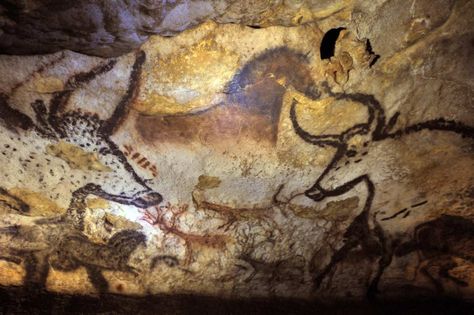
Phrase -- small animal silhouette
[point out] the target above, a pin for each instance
(25, 137)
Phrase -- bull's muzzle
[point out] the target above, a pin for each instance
(147, 200)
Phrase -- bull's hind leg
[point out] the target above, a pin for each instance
(359, 234)
(336, 258)
(97, 279)
(37, 270)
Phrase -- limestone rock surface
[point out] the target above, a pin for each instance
(112, 28)
(328, 160)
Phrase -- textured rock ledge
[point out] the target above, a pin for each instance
(112, 28)
(234, 161)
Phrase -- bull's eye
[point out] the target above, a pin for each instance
(351, 153)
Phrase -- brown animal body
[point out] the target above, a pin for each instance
(251, 109)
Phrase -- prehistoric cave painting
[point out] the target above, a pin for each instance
(156, 216)
(63, 248)
(141, 161)
(117, 182)
(233, 215)
(439, 242)
(333, 182)
(274, 272)
(7, 200)
(251, 109)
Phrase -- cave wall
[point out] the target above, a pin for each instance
(332, 159)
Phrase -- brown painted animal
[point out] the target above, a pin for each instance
(251, 109)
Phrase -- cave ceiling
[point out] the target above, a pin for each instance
(303, 149)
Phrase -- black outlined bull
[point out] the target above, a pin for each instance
(54, 124)
(344, 173)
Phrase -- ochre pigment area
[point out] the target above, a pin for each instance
(330, 160)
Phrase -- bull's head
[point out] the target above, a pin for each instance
(117, 181)
(351, 147)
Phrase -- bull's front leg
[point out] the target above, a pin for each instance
(37, 270)
(358, 232)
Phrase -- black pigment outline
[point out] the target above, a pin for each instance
(23, 207)
(359, 232)
(68, 254)
(51, 124)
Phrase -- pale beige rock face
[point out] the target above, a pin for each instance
(234, 161)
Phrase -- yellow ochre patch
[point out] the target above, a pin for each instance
(195, 76)
(39, 204)
(76, 157)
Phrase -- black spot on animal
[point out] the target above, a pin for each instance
(58, 124)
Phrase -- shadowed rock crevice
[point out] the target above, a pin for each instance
(110, 29)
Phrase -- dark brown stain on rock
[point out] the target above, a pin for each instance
(438, 242)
